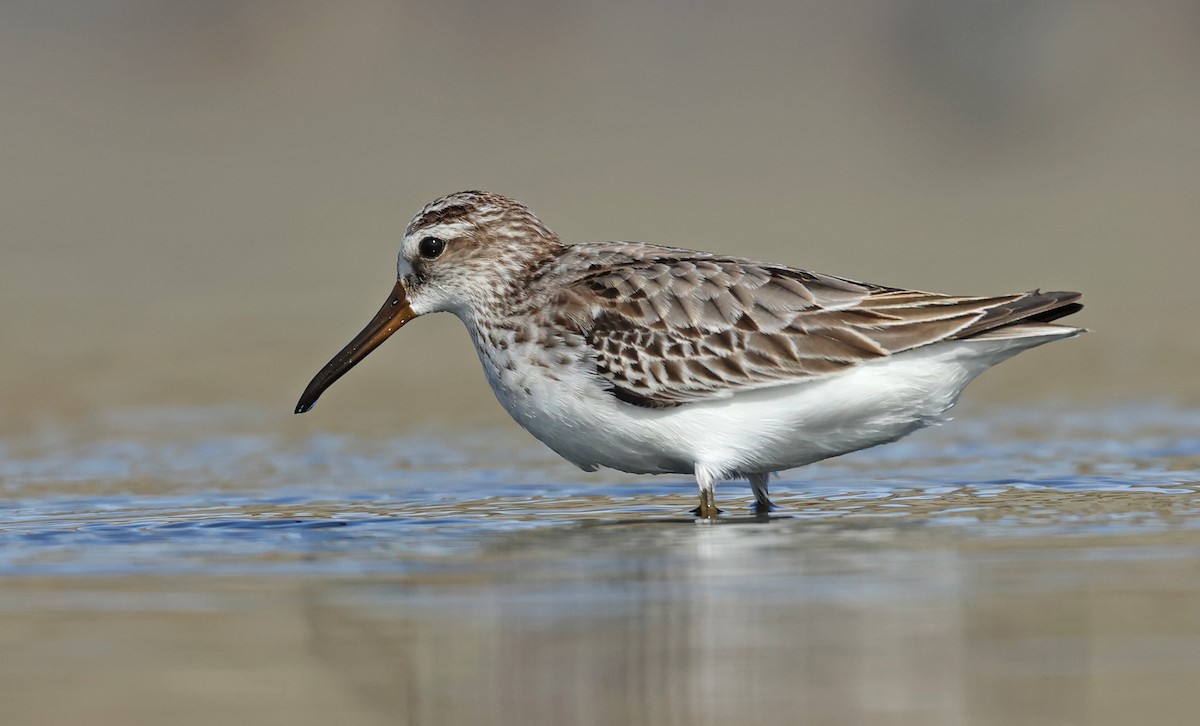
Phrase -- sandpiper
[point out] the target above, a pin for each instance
(653, 360)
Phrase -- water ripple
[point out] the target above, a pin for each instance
(153, 497)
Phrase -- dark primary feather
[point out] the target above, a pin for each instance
(668, 326)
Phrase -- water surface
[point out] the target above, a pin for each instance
(1013, 566)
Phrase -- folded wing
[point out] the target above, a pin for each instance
(670, 326)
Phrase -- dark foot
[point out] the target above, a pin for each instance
(698, 512)
(763, 507)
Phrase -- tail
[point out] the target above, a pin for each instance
(1028, 316)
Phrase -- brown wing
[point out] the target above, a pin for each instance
(672, 326)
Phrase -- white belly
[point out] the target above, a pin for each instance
(764, 430)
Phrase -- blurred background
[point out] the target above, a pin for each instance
(202, 202)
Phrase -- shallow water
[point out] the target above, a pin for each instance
(1013, 566)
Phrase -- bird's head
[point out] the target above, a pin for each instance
(462, 253)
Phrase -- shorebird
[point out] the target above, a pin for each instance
(654, 360)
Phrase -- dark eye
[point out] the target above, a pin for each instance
(431, 247)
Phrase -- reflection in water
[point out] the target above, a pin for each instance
(991, 572)
(759, 624)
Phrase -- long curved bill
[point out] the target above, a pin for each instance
(390, 318)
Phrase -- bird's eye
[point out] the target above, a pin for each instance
(431, 247)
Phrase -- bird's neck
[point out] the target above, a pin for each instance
(517, 287)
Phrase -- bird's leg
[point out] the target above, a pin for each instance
(708, 504)
(758, 483)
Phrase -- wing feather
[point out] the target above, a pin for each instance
(668, 326)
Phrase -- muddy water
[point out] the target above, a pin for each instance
(1015, 566)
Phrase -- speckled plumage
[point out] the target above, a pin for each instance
(654, 359)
